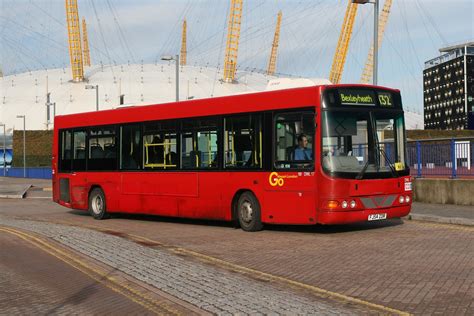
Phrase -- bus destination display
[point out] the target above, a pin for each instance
(366, 98)
(357, 97)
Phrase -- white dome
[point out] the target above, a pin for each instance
(25, 93)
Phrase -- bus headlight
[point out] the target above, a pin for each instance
(401, 199)
(353, 204)
(344, 204)
(407, 199)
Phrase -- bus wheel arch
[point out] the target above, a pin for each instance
(246, 211)
(97, 205)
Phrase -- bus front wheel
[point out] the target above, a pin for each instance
(248, 212)
(97, 206)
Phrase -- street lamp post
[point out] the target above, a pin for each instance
(24, 144)
(376, 34)
(96, 88)
(4, 149)
(176, 60)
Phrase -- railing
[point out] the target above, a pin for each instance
(451, 158)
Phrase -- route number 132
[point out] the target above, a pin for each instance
(385, 100)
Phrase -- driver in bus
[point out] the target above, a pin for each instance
(301, 152)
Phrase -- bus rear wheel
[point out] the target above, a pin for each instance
(97, 206)
(248, 212)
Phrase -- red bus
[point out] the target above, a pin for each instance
(329, 154)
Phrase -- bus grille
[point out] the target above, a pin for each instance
(378, 201)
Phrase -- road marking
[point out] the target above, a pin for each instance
(98, 276)
(39, 197)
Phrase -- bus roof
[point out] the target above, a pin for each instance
(242, 103)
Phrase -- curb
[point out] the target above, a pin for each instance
(16, 196)
(441, 219)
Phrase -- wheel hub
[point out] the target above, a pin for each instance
(97, 204)
(246, 212)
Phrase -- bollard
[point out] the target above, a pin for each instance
(418, 159)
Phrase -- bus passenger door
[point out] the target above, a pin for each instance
(72, 189)
(290, 198)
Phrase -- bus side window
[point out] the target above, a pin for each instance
(199, 144)
(160, 145)
(130, 151)
(294, 139)
(65, 151)
(243, 141)
(78, 150)
(102, 154)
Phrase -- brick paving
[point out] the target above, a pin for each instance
(421, 268)
(34, 283)
(209, 288)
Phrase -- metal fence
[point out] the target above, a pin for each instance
(453, 158)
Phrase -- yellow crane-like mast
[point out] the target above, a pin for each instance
(343, 43)
(182, 56)
(74, 37)
(86, 52)
(369, 65)
(233, 35)
(276, 39)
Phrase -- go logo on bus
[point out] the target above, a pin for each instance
(275, 180)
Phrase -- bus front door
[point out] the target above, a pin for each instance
(290, 198)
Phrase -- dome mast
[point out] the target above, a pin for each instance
(87, 56)
(273, 56)
(233, 35)
(74, 36)
(343, 43)
(182, 56)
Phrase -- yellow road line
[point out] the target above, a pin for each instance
(98, 276)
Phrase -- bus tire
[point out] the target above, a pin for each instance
(248, 212)
(97, 206)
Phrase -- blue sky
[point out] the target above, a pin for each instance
(33, 35)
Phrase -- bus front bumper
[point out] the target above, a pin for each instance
(365, 215)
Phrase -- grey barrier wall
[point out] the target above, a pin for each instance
(444, 191)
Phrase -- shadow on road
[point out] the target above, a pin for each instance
(318, 229)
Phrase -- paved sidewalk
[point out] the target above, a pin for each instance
(18, 188)
(443, 213)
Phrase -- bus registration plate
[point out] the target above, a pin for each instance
(376, 217)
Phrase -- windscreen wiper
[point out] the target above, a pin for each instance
(392, 169)
(362, 172)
